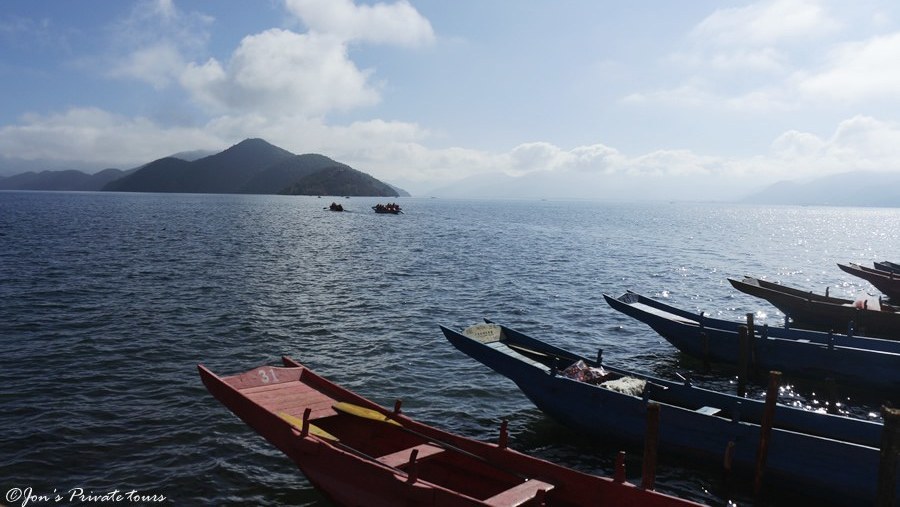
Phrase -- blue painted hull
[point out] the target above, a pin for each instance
(819, 357)
(821, 466)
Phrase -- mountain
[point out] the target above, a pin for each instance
(60, 180)
(279, 176)
(859, 188)
(340, 180)
(252, 166)
(223, 173)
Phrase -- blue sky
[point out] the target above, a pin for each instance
(574, 98)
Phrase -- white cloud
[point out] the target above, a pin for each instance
(156, 65)
(280, 72)
(100, 137)
(765, 23)
(283, 73)
(857, 71)
(398, 23)
(154, 42)
(748, 59)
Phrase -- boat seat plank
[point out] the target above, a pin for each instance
(289, 396)
(401, 457)
(318, 410)
(275, 387)
(519, 494)
(708, 410)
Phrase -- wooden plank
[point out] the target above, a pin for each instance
(401, 457)
(519, 494)
(276, 386)
(708, 410)
(319, 409)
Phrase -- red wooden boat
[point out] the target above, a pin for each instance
(358, 453)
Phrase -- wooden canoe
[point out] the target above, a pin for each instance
(815, 311)
(696, 423)
(887, 282)
(852, 362)
(358, 453)
(888, 266)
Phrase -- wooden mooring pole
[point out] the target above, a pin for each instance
(765, 429)
(890, 449)
(743, 360)
(651, 442)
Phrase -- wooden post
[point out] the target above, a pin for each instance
(751, 335)
(705, 339)
(765, 429)
(728, 459)
(304, 429)
(890, 449)
(831, 389)
(504, 434)
(743, 360)
(651, 440)
(619, 474)
(412, 469)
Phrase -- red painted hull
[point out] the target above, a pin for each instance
(360, 461)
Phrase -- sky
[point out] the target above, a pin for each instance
(588, 99)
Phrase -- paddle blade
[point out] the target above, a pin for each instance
(313, 429)
(366, 413)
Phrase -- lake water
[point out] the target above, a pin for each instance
(110, 300)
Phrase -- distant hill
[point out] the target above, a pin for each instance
(859, 188)
(252, 166)
(60, 180)
(339, 180)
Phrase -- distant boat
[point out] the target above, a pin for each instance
(868, 317)
(850, 361)
(392, 208)
(888, 282)
(612, 403)
(358, 453)
(336, 207)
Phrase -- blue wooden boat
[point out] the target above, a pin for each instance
(713, 427)
(849, 360)
(869, 317)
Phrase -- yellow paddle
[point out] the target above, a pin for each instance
(313, 429)
(366, 413)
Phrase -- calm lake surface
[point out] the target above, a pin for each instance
(109, 301)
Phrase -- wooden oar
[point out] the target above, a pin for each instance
(374, 415)
(522, 348)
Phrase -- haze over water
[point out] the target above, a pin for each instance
(110, 300)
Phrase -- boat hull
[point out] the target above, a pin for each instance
(848, 365)
(808, 463)
(366, 460)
